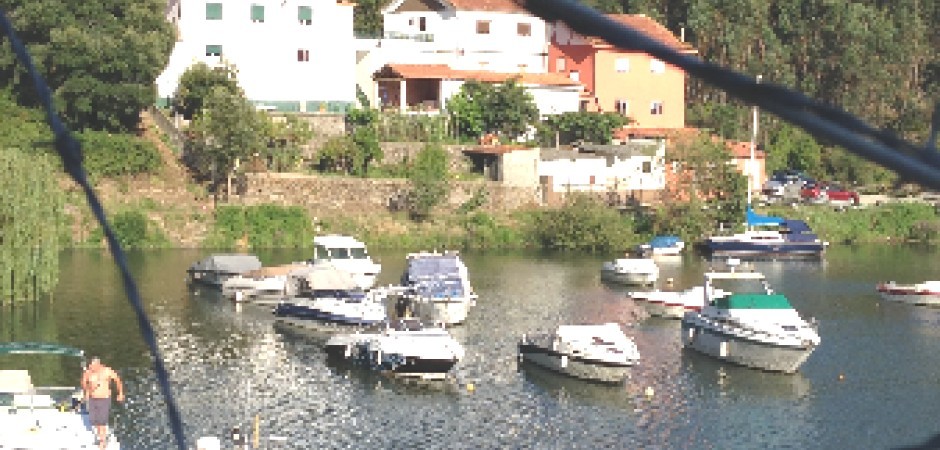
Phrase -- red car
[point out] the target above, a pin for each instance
(831, 193)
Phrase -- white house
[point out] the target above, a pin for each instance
(465, 35)
(291, 55)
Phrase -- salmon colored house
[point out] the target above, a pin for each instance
(630, 82)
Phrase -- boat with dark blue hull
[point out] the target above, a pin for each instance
(768, 237)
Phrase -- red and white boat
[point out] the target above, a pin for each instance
(674, 304)
(926, 293)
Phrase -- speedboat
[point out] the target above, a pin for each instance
(216, 269)
(926, 293)
(44, 417)
(330, 296)
(630, 271)
(674, 304)
(263, 283)
(405, 347)
(753, 326)
(437, 288)
(592, 352)
(768, 237)
(661, 246)
(347, 254)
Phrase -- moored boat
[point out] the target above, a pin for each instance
(753, 326)
(264, 283)
(348, 254)
(329, 296)
(674, 304)
(926, 293)
(436, 288)
(768, 237)
(405, 347)
(662, 246)
(44, 417)
(592, 352)
(214, 270)
(630, 271)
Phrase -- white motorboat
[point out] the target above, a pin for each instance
(40, 418)
(403, 347)
(328, 295)
(437, 288)
(347, 254)
(631, 271)
(216, 269)
(593, 352)
(753, 326)
(674, 304)
(926, 293)
(264, 283)
(665, 246)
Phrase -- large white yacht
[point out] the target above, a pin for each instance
(436, 288)
(327, 295)
(753, 326)
(348, 254)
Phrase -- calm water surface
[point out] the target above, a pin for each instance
(228, 366)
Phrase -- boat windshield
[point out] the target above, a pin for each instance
(747, 286)
(358, 253)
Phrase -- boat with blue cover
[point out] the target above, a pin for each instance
(436, 288)
(768, 237)
(665, 246)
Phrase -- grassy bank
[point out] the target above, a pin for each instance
(900, 222)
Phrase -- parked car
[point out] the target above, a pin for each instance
(828, 193)
(785, 185)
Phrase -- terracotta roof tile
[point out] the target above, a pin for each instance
(444, 72)
(488, 5)
(651, 28)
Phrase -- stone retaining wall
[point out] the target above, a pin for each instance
(360, 196)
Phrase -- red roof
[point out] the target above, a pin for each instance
(488, 5)
(651, 28)
(444, 72)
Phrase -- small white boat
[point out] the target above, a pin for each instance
(216, 269)
(926, 293)
(666, 246)
(630, 271)
(406, 348)
(674, 304)
(436, 288)
(592, 352)
(330, 296)
(264, 283)
(753, 326)
(347, 254)
(40, 418)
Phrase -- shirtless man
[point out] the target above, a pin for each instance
(96, 382)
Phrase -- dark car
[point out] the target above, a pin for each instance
(828, 193)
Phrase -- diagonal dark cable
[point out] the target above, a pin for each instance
(70, 151)
(820, 120)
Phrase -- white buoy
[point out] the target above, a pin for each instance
(208, 443)
(649, 391)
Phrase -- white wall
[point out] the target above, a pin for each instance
(575, 174)
(265, 54)
(555, 99)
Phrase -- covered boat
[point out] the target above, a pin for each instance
(753, 326)
(666, 246)
(768, 237)
(437, 288)
(592, 352)
(216, 269)
(926, 293)
(260, 284)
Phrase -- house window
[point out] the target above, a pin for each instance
(656, 108)
(213, 50)
(622, 65)
(257, 13)
(560, 65)
(213, 11)
(657, 66)
(305, 15)
(574, 75)
(622, 106)
(524, 29)
(303, 55)
(483, 27)
(647, 166)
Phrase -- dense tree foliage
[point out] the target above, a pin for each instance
(594, 127)
(197, 82)
(703, 171)
(31, 221)
(505, 109)
(99, 58)
(429, 181)
(583, 223)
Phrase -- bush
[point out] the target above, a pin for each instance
(583, 224)
(265, 226)
(111, 155)
(133, 230)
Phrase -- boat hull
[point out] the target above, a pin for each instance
(746, 352)
(909, 294)
(659, 308)
(356, 350)
(310, 317)
(629, 278)
(593, 370)
(446, 311)
(753, 250)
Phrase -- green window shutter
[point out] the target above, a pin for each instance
(257, 13)
(213, 50)
(304, 14)
(213, 11)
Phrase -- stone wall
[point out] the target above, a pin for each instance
(399, 152)
(361, 196)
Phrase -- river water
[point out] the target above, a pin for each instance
(873, 383)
